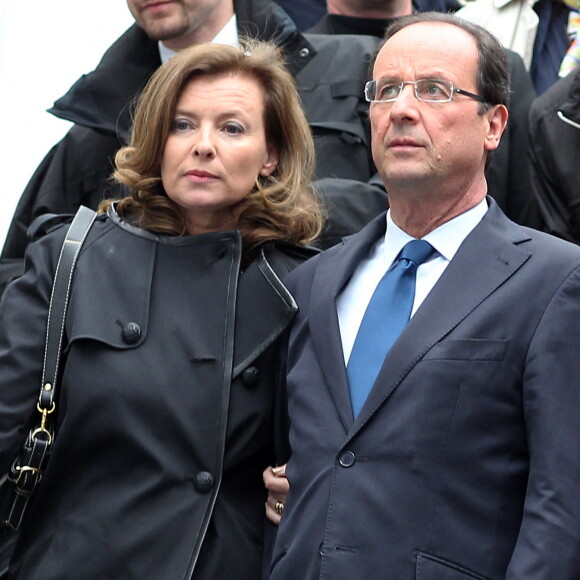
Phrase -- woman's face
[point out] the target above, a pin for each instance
(216, 149)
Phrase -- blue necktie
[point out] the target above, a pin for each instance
(385, 318)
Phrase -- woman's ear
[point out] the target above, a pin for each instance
(270, 164)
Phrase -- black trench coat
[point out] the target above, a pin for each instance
(157, 463)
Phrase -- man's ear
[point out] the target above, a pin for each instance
(497, 120)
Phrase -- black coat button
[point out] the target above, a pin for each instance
(251, 376)
(131, 333)
(347, 459)
(203, 482)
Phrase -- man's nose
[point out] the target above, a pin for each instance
(406, 104)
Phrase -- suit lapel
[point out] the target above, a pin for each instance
(333, 272)
(487, 258)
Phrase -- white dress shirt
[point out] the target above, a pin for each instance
(227, 35)
(354, 299)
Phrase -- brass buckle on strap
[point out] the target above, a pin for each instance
(27, 469)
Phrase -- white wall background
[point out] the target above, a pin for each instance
(44, 48)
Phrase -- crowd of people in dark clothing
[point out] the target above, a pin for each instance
(532, 176)
(263, 102)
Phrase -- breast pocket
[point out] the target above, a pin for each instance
(469, 349)
(432, 568)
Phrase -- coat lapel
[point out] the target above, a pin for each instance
(487, 258)
(334, 270)
(265, 308)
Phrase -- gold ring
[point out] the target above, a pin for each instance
(279, 507)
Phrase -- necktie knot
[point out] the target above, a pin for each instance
(417, 251)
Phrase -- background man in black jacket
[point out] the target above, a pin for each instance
(329, 71)
(555, 143)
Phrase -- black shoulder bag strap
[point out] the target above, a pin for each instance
(28, 467)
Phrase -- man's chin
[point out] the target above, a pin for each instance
(407, 178)
(160, 32)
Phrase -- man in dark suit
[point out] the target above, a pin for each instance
(463, 459)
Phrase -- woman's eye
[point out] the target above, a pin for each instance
(233, 128)
(180, 125)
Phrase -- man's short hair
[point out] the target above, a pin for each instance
(492, 77)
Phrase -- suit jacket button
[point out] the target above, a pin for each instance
(347, 459)
(203, 482)
(251, 376)
(131, 333)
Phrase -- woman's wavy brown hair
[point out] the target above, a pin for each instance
(282, 205)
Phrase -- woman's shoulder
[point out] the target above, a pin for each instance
(288, 255)
(52, 228)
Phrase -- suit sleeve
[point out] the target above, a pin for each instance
(548, 545)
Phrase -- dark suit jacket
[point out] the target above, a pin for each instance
(465, 459)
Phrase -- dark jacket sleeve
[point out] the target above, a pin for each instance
(23, 316)
(74, 172)
(332, 92)
(555, 142)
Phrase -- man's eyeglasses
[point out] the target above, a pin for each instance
(427, 90)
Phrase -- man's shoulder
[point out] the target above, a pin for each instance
(566, 89)
(340, 58)
(284, 257)
(344, 43)
(553, 248)
(100, 97)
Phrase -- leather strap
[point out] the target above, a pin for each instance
(26, 471)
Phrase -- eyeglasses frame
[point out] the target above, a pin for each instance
(402, 84)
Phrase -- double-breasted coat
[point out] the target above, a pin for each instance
(164, 418)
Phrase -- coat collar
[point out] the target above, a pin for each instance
(497, 243)
(263, 306)
(265, 309)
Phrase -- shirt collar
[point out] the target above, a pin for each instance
(227, 35)
(446, 239)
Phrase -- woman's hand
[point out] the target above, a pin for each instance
(277, 486)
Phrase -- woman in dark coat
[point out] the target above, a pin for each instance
(165, 415)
